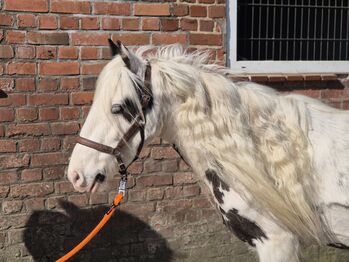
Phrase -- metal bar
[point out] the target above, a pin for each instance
(315, 28)
(328, 31)
(321, 29)
(301, 43)
(267, 33)
(259, 30)
(251, 51)
(308, 31)
(274, 15)
(280, 42)
(340, 32)
(334, 33)
(294, 33)
(287, 30)
(347, 35)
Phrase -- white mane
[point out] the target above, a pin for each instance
(254, 138)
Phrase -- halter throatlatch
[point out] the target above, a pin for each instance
(136, 126)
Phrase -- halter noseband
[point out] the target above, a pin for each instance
(137, 125)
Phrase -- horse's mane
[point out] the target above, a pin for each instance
(254, 138)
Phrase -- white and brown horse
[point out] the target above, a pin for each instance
(277, 165)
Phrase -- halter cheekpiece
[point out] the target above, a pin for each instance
(137, 124)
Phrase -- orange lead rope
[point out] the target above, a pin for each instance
(100, 225)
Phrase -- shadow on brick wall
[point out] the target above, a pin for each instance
(49, 234)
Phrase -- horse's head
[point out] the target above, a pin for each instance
(120, 89)
(2, 94)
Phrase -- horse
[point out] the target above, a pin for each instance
(277, 165)
(3, 94)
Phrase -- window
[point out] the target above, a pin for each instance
(289, 36)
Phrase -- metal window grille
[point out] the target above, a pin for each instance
(289, 30)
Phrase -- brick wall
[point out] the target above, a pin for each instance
(51, 53)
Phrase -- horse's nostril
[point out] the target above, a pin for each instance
(100, 177)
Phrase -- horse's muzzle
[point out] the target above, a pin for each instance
(3, 94)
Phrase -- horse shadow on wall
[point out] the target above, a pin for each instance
(50, 234)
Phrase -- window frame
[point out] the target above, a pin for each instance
(274, 67)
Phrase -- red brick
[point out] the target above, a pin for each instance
(150, 24)
(15, 37)
(48, 99)
(169, 24)
(46, 114)
(26, 6)
(27, 114)
(48, 159)
(8, 178)
(88, 53)
(70, 7)
(29, 175)
(47, 84)
(163, 152)
(69, 83)
(46, 52)
(168, 38)
(258, 78)
(216, 11)
(67, 52)
(206, 26)
(7, 146)
(25, 84)
(13, 161)
(78, 200)
(155, 194)
(152, 165)
(112, 8)
(189, 24)
(25, 52)
(89, 38)
(155, 180)
(92, 69)
(59, 68)
(131, 24)
(89, 83)
(205, 39)
(34, 204)
(26, 20)
(53, 173)
(6, 115)
(28, 129)
(69, 113)
(10, 207)
(109, 23)
(50, 144)
(65, 128)
(29, 145)
(132, 39)
(47, 22)
(6, 84)
(89, 23)
(21, 69)
(6, 19)
(13, 100)
(276, 78)
(152, 9)
(135, 168)
(198, 11)
(180, 10)
(312, 77)
(48, 38)
(64, 187)
(6, 51)
(31, 190)
(98, 198)
(69, 22)
(206, 1)
(82, 98)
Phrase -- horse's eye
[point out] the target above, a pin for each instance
(116, 109)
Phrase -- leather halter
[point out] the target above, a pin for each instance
(137, 125)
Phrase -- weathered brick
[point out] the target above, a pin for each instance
(30, 175)
(67, 52)
(69, 22)
(89, 23)
(98, 198)
(8, 146)
(110, 23)
(7, 114)
(88, 53)
(13, 161)
(150, 24)
(169, 24)
(71, 7)
(13, 100)
(48, 38)
(6, 19)
(92, 69)
(48, 99)
(152, 165)
(18, 68)
(53, 173)
(198, 11)
(168, 38)
(78, 200)
(132, 39)
(82, 98)
(15, 37)
(31, 190)
(59, 68)
(205, 39)
(112, 8)
(69, 113)
(10, 207)
(34, 204)
(6, 51)
(50, 144)
(47, 22)
(206, 26)
(70, 83)
(163, 152)
(25, 52)
(189, 24)
(6, 83)
(64, 187)
(46, 52)
(155, 194)
(216, 11)
(155, 180)
(48, 159)
(64, 128)
(46, 114)
(26, 6)
(29, 145)
(180, 10)
(8, 178)
(37, 129)
(131, 24)
(26, 20)
(27, 114)
(152, 9)
(47, 84)
(80, 38)
(89, 83)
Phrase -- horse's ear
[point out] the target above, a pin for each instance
(114, 48)
(3, 94)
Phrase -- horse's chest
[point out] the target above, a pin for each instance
(230, 205)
